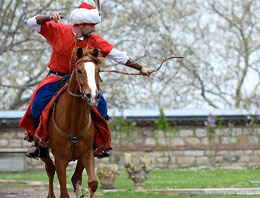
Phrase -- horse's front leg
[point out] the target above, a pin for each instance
(50, 169)
(61, 165)
(89, 164)
(76, 179)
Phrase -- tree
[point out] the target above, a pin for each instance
(23, 53)
(218, 39)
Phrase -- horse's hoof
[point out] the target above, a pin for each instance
(82, 196)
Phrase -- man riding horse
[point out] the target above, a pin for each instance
(65, 39)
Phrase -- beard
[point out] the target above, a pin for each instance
(86, 35)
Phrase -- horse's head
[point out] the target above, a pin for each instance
(87, 69)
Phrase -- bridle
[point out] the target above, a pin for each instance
(82, 94)
(74, 140)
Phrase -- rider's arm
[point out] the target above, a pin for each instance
(36, 21)
(122, 58)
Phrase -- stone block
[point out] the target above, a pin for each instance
(248, 152)
(177, 141)
(219, 159)
(194, 153)
(7, 135)
(164, 159)
(193, 141)
(219, 132)
(173, 159)
(150, 141)
(185, 132)
(202, 132)
(257, 131)
(160, 133)
(18, 143)
(177, 153)
(202, 160)
(238, 131)
(157, 154)
(162, 142)
(20, 134)
(222, 152)
(237, 152)
(185, 160)
(244, 158)
(205, 141)
(12, 160)
(210, 152)
(146, 133)
(254, 158)
(139, 141)
(3, 142)
(253, 140)
(228, 140)
(172, 166)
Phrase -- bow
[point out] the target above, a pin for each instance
(138, 73)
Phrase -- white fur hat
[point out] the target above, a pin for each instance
(85, 13)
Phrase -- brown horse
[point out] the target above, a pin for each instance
(71, 129)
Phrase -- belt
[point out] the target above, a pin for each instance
(56, 73)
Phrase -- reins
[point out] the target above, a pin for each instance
(138, 73)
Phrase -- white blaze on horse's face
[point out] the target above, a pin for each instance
(90, 69)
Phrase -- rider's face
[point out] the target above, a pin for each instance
(86, 29)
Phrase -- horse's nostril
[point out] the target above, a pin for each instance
(89, 96)
(97, 96)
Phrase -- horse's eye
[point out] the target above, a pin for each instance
(79, 71)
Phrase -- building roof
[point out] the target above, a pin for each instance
(145, 116)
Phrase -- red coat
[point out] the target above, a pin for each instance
(61, 38)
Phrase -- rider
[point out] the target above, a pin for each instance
(65, 39)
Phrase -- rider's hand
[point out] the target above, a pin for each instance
(145, 72)
(56, 16)
(28, 137)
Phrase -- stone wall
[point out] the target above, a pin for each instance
(190, 146)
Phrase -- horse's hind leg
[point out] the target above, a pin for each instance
(50, 169)
(89, 165)
(76, 179)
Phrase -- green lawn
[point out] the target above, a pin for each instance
(163, 179)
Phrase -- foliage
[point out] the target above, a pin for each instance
(214, 122)
(163, 124)
(121, 124)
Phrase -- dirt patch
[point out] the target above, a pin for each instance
(12, 190)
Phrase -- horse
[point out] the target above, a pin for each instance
(71, 129)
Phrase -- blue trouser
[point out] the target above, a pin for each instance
(45, 94)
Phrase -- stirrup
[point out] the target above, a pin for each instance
(30, 156)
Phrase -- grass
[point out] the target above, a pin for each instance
(164, 179)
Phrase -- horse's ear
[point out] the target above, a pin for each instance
(80, 52)
(95, 52)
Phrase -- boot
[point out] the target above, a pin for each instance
(40, 151)
(102, 155)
